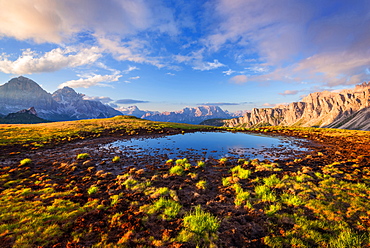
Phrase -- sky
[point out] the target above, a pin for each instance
(166, 55)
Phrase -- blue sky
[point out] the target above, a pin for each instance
(165, 55)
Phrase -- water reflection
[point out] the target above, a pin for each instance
(207, 145)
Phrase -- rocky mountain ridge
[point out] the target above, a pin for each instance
(65, 104)
(189, 115)
(349, 109)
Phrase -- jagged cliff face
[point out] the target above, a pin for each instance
(347, 109)
(189, 115)
(65, 104)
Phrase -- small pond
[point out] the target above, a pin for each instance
(208, 145)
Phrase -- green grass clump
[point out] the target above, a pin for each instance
(169, 161)
(184, 163)
(162, 191)
(83, 156)
(116, 159)
(271, 181)
(177, 170)
(241, 198)
(93, 190)
(202, 184)
(200, 227)
(201, 164)
(291, 200)
(130, 183)
(168, 208)
(226, 181)
(25, 161)
(223, 160)
(241, 173)
(115, 199)
(181, 161)
(265, 193)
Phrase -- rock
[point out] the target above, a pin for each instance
(65, 104)
(349, 109)
(189, 115)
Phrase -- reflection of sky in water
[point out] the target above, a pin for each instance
(206, 144)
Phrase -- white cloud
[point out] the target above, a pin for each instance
(90, 81)
(301, 43)
(30, 62)
(103, 99)
(130, 69)
(228, 72)
(289, 92)
(268, 104)
(171, 74)
(57, 21)
(134, 50)
(257, 69)
(134, 78)
(239, 79)
(206, 66)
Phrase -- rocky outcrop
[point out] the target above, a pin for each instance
(346, 109)
(65, 104)
(24, 116)
(189, 115)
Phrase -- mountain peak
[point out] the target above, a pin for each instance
(67, 94)
(23, 84)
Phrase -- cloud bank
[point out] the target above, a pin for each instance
(100, 80)
(129, 101)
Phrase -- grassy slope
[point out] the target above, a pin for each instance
(11, 134)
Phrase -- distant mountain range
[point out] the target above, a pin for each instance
(189, 115)
(64, 104)
(348, 109)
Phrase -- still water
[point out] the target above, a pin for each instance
(206, 145)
